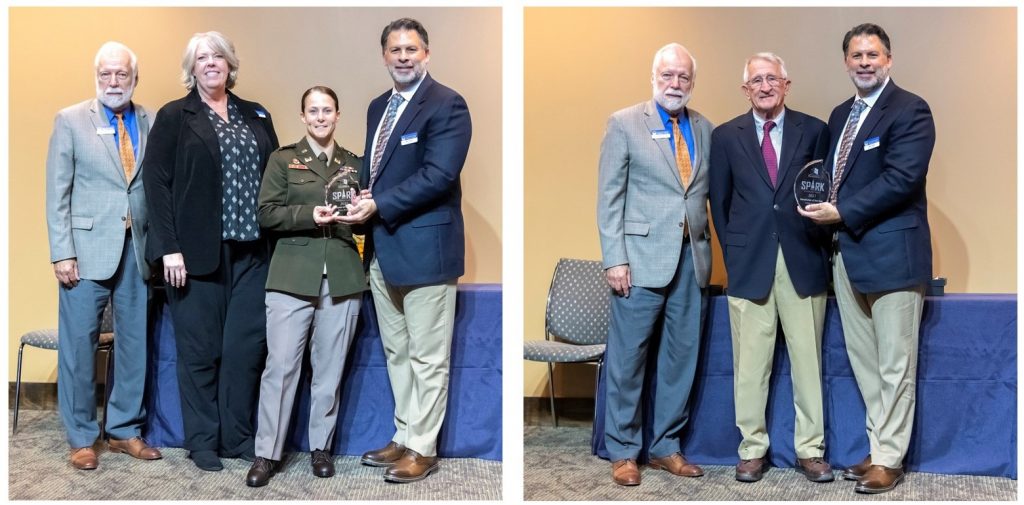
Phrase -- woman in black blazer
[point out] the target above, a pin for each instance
(204, 162)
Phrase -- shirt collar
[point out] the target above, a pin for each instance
(873, 97)
(407, 94)
(759, 121)
(666, 118)
(130, 111)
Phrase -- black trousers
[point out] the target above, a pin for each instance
(220, 327)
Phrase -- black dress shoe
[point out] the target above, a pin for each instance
(206, 460)
(260, 473)
(323, 463)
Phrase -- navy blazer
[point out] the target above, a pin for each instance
(418, 233)
(884, 237)
(752, 218)
(183, 179)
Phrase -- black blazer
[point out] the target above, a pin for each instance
(418, 234)
(884, 237)
(183, 179)
(752, 218)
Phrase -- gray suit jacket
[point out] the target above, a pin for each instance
(87, 197)
(641, 205)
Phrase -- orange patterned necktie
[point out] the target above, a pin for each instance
(126, 149)
(682, 153)
(127, 158)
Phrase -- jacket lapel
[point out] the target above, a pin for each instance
(315, 165)
(652, 120)
(200, 124)
(790, 139)
(413, 108)
(99, 120)
(748, 142)
(142, 122)
(875, 114)
(697, 163)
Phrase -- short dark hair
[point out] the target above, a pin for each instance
(404, 24)
(319, 89)
(867, 29)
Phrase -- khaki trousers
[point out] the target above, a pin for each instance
(881, 331)
(416, 324)
(753, 324)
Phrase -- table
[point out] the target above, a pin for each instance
(966, 415)
(472, 427)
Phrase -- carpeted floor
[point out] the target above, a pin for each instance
(39, 470)
(557, 465)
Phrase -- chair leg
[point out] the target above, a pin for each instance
(106, 391)
(551, 388)
(597, 384)
(17, 391)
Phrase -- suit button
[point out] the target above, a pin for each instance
(681, 225)
(129, 191)
(775, 236)
(124, 218)
(776, 206)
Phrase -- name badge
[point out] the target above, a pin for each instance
(104, 130)
(296, 165)
(660, 134)
(261, 114)
(871, 143)
(410, 138)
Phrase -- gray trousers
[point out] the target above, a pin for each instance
(673, 316)
(328, 324)
(79, 313)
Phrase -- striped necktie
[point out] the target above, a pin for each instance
(844, 146)
(384, 135)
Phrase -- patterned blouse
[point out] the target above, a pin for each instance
(240, 180)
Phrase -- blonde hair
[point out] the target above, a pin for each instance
(218, 42)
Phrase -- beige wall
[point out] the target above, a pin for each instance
(283, 52)
(583, 64)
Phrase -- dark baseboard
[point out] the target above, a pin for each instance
(41, 395)
(571, 411)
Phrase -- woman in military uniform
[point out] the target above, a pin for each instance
(314, 287)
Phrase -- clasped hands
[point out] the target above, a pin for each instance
(360, 210)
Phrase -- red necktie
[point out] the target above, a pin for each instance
(768, 152)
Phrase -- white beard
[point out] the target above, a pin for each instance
(114, 101)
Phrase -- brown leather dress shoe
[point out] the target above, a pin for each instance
(751, 470)
(857, 471)
(260, 472)
(815, 469)
(411, 467)
(385, 456)
(84, 458)
(676, 464)
(879, 479)
(135, 447)
(626, 473)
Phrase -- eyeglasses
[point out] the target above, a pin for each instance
(670, 77)
(772, 81)
(107, 76)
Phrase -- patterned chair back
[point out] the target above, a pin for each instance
(578, 299)
(107, 324)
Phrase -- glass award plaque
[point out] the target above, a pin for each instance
(813, 184)
(341, 189)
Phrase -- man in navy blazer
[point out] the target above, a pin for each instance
(881, 144)
(417, 139)
(776, 262)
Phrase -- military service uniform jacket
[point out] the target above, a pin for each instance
(293, 184)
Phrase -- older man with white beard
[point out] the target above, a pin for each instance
(653, 223)
(96, 217)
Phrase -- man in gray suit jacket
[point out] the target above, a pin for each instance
(96, 216)
(652, 218)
